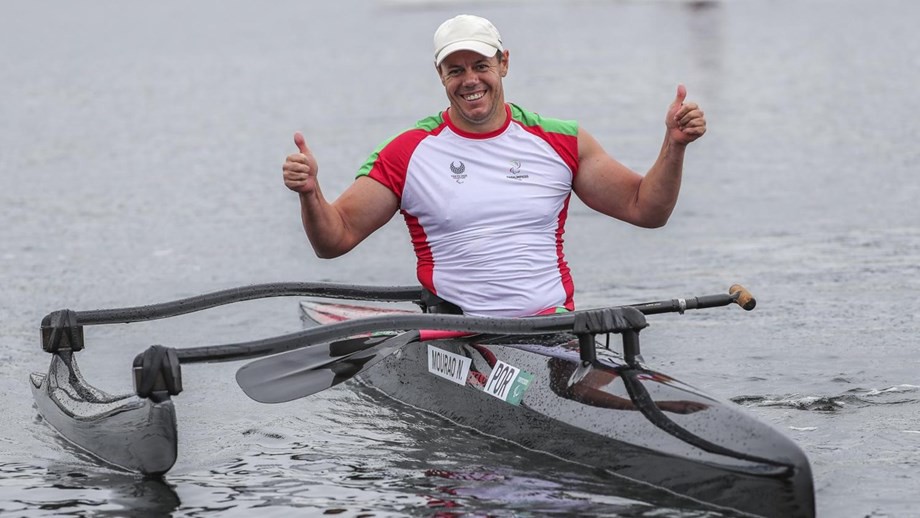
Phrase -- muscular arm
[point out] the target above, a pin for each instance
(610, 187)
(335, 228)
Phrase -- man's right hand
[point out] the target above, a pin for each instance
(300, 169)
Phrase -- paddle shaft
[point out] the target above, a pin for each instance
(309, 369)
(737, 294)
(155, 371)
(602, 320)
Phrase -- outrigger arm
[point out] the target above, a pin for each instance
(157, 371)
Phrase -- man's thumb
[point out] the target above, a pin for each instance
(300, 143)
(681, 95)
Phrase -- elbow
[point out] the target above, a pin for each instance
(327, 253)
(331, 250)
(656, 216)
(656, 223)
(655, 220)
(647, 213)
(326, 248)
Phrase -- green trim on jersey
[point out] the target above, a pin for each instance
(564, 127)
(428, 124)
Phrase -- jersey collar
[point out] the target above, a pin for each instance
(470, 135)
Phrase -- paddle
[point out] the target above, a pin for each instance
(601, 320)
(303, 372)
(158, 372)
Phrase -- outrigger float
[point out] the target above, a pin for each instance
(543, 382)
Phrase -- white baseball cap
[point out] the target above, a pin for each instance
(466, 32)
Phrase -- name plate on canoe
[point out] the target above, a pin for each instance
(448, 365)
(508, 383)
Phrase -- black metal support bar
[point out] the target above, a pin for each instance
(645, 404)
(626, 320)
(587, 348)
(257, 291)
(631, 347)
(63, 329)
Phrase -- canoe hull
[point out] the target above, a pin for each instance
(586, 415)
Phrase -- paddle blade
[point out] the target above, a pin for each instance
(304, 372)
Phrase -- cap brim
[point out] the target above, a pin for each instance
(476, 46)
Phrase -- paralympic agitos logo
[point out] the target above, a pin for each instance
(458, 171)
(515, 171)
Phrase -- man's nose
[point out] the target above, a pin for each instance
(470, 76)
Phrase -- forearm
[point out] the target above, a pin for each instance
(324, 225)
(610, 187)
(335, 228)
(659, 189)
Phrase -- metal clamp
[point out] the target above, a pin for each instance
(60, 331)
(157, 373)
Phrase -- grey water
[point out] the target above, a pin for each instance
(140, 154)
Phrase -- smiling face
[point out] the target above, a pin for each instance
(473, 84)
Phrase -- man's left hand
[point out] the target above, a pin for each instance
(685, 120)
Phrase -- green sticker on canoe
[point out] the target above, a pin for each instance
(518, 387)
(508, 383)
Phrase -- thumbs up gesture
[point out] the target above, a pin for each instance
(685, 120)
(300, 168)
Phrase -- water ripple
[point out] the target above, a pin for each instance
(853, 398)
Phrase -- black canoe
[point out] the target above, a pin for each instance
(635, 422)
(529, 382)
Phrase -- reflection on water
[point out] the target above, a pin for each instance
(74, 490)
(394, 462)
(904, 394)
(398, 461)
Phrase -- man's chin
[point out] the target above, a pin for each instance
(476, 116)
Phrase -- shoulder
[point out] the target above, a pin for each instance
(431, 125)
(561, 135)
(398, 148)
(533, 120)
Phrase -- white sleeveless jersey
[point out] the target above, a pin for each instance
(486, 212)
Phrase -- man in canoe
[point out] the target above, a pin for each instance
(484, 186)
